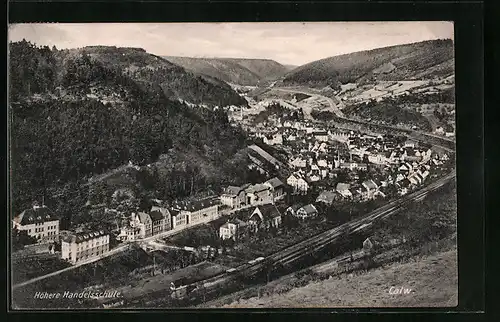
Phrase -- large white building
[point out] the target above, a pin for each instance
(190, 213)
(38, 222)
(80, 247)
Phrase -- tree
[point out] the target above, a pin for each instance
(20, 238)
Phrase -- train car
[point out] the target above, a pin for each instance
(256, 260)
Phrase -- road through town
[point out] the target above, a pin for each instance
(113, 251)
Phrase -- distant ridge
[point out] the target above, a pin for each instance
(241, 71)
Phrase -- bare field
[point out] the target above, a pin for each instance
(433, 281)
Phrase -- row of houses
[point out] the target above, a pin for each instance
(41, 223)
(264, 217)
(159, 219)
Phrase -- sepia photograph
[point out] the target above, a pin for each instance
(235, 165)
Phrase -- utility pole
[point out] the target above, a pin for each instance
(154, 265)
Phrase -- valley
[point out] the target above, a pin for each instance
(230, 182)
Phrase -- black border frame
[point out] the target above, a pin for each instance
(468, 19)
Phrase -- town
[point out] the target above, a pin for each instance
(152, 179)
(320, 170)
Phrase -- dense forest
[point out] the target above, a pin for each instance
(73, 117)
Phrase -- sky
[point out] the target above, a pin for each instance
(291, 43)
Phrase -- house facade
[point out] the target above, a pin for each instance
(292, 210)
(129, 233)
(298, 183)
(160, 220)
(307, 211)
(370, 188)
(179, 219)
(321, 136)
(277, 188)
(80, 247)
(145, 223)
(38, 222)
(259, 194)
(232, 229)
(234, 197)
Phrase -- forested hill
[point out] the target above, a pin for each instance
(49, 69)
(232, 70)
(420, 60)
(75, 114)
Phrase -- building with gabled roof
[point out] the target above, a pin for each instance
(298, 182)
(370, 185)
(277, 188)
(38, 222)
(259, 194)
(292, 210)
(327, 197)
(232, 229)
(265, 216)
(307, 211)
(344, 189)
(234, 197)
(161, 219)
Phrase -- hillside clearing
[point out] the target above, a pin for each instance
(433, 282)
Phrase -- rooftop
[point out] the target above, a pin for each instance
(37, 214)
(275, 182)
(257, 188)
(343, 186)
(309, 209)
(268, 211)
(369, 184)
(195, 205)
(83, 236)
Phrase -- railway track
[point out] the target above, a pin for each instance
(315, 243)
